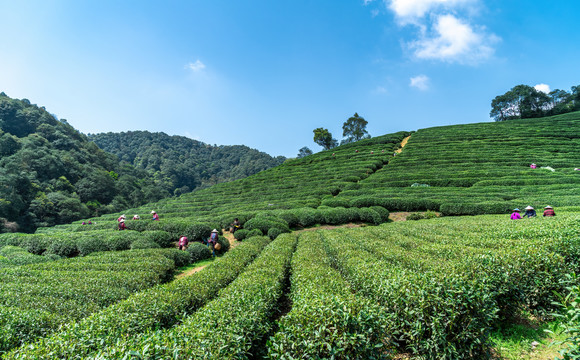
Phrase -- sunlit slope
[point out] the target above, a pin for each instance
(296, 183)
(480, 168)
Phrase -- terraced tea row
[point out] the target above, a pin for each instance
(433, 288)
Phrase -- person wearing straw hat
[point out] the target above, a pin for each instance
(516, 214)
(136, 217)
(533, 166)
(155, 216)
(122, 225)
(530, 212)
(122, 217)
(212, 241)
(549, 211)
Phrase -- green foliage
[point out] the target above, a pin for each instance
(324, 138)
(63, 247)
(51, 174)
(274, 232)
(144, 244)
(242, 234)
(524, 101)
(88, 245)
(178, 164)
(355, 129)
(245, 307)
(157, 308)
(198, 251)
(37, 299)
(303, 152)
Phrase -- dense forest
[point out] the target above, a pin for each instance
(50, 173)
(179, 164)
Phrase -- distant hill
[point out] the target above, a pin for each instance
(50, 173)
(181, 164)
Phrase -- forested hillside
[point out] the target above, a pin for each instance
(180, 164)
(51, 173)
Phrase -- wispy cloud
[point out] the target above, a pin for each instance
(443, 33)
(545, 88)
(453, 40)
(195, 66)
(420, 82)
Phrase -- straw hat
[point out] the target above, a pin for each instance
(529, 208)
(152, 211)
(214, 231)
(516, 209)
(122, 220)
(548, 207)
(533, 164)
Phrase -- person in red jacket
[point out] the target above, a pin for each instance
(183, 242)
(155, 216)
(122, 225)
(549, 211)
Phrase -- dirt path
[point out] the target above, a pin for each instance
(189, 272)
(403, 143)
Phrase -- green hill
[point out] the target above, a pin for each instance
(480, 168)
(181, 164)
(428, 289)
(51, 174)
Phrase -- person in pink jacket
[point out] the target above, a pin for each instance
(516, 214)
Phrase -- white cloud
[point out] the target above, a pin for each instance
(455, 41)
(420, 82)
(410, 10)
(545, 88)
(196, 66)
(444, 31)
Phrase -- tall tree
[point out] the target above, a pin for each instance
(323, 137)
(354, 129)
(521, 102)
(304, 151)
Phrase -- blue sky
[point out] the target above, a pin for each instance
(266, 73)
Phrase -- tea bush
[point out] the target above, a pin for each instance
(198, 251)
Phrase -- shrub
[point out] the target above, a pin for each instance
(144, 244)
(274, 232)
(254, 232)
(198, 232)
(264, 223)
(160, 237)
(179, 257)
(306, 216)
(336, 202)
(198, 251)
(369, 216)
(384, 213)
(225, 245)
(242, 234)
(119, 241)
(62, 247)
(290, 218)
(90, 244)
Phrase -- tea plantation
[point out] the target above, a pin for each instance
(431, 289)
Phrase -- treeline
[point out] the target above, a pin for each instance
(179, 164)
(525, 102)
(50, 173)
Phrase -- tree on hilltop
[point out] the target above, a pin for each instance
(354, 129)
(304, 151)
(524, 101)
(323, 137)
